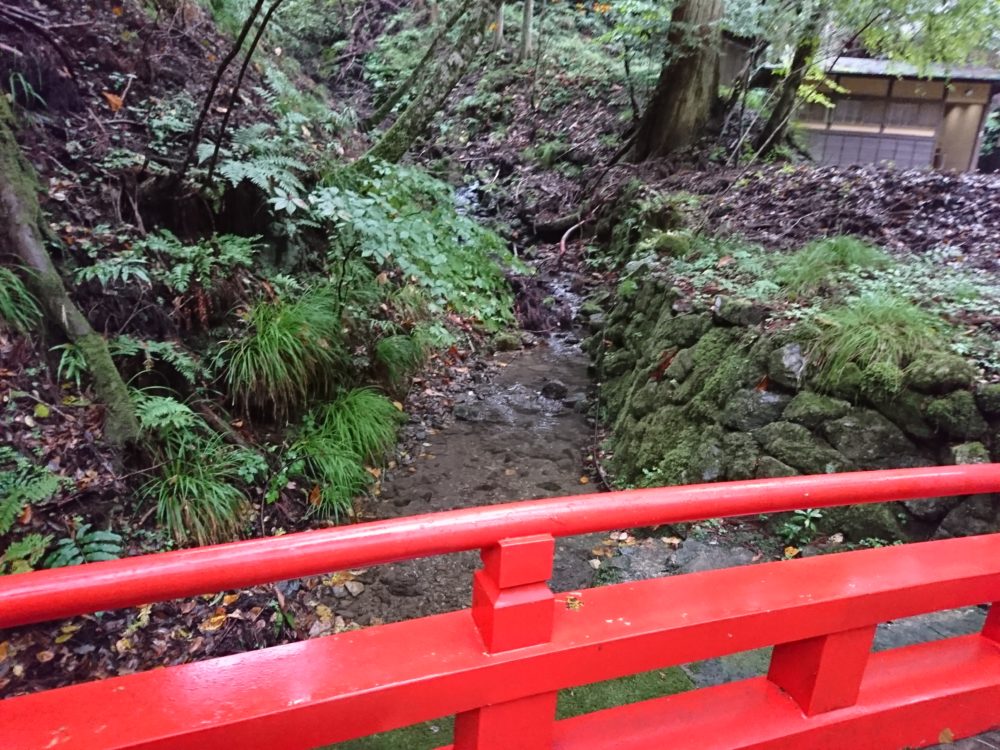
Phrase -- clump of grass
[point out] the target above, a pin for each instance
(878, 335)
(291, 350)
(819, 262)
(197, 491)
(335, 441)
(400, 355)
(19, 311)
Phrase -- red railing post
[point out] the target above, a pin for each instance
(991, 628)
(513, 607)
(824, 673)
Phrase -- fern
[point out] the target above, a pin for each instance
(85, 546)
(201, 263)
(117, 269)
(22, 483)
(23, 555)
(166, 351)
(268, 172)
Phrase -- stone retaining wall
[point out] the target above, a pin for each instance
(709, 395)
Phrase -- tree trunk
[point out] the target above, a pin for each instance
(527, 42)
(411, 81)
(431, 97)
(498, 29)
(688, 83)
(20, 222)
(776, 125)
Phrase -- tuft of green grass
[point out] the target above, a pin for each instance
(819, 262)
(334, 443)
(879, 335)
(197, 494)
(400, 355)
(19, 310)
(291, 351)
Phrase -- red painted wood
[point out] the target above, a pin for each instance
(823, 674)
(51, 594)
(908, 697)
(524, 724)
(513, 608)
(339, 687)
(991, 628)
(514, 562)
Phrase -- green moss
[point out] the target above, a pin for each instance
(794, 445)
(940, 372)
(988, 399)
(970, 453)
(742, 455)
(956, 416)
(812, 409)
(768, 467)
(906, 410)
(857, 522)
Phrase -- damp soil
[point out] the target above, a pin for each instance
(520, 435)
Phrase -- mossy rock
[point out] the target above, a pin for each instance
(768, 467)
(907, 411)
(940, 372)
(742, 454)
(680, 330)
(988, 399)
(812, 409)
(970, 453)
(796, 446)
(868, 439)
(887, 521)
(977, 514)
(787, 366)
(507, 341)
(738, 312)
(849, 385)
(618, 362)
(749, 408)
(648, 398)
(956, 416)
(680, 366)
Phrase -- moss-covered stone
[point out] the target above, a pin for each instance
(956, 416)
(868, 439)
(618, 362)
(787, 365)
(906, 410)
(970, 453)
(768, 467)
(680, 366)
(977, 514)
(507, 341)
(749, 408)
(742, 454)
(856, 522)
(849, 385)
(647, 398)
(811, 409)
(988, 399)
(796, 446)
(680, 331)
(940, 372)
(738, 312)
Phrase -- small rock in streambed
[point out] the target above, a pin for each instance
(555, 390)
(354, 588)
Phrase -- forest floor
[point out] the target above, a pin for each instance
(484, 427)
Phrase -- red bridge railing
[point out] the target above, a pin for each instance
(498, 666)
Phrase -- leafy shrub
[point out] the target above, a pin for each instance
(120, 268)
(84, 546)
(362, 419)
(197, 492)
(820, 261)
(203, 264)
(398, 215)
(19, 310)
(290, 350)
(879, 335)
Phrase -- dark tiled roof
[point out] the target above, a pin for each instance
(861, 66)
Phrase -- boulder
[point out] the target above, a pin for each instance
(738, 312)
(970, 453)
(786, 366)
(933, 509)
(768, 467)
(868, 439)
(680, 366)
(742, 454)
(906, 410)
(940, 372)
(988, 399)
(695, 557)
(977, 514)
(886, 521)
(749, 408)
(811, 409)
(794, 445)
(956, 416)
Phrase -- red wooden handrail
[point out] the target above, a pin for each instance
(52, 594)
(499, 670)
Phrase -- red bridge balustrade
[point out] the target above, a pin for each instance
(499, 665)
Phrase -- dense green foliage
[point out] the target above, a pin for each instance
(19, 309)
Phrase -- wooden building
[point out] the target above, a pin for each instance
(891, 112)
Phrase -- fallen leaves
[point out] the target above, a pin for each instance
(115, 102)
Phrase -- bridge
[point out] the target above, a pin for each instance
(498, 666)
